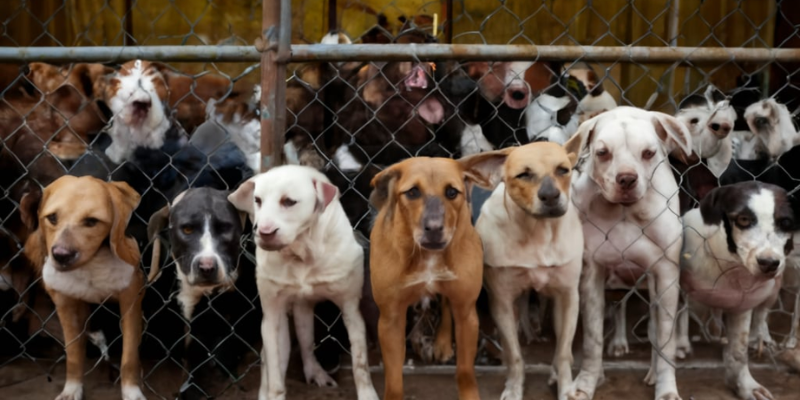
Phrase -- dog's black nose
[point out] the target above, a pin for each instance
(141, 107)
(548, 193)
(518, 95)
(627, 181)
(64, 256)
(207, 266)
(768, 265)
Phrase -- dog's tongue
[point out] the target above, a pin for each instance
(417, 78)
(431, 111)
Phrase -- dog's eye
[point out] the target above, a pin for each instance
(648, 154)
(90, 222)
(187, 230)
(561, 171)
(743, 221)
(258, 201)
(785, 224)
(53, 218)
(451, 193)
(761, 122)
(602, 153)
(694, 121)
(413, 193)
(525, 176)
(287, 202)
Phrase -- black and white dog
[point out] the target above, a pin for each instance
(734, 255)
(205, 236)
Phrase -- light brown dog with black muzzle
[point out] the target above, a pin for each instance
(79, 246)
(423, 243)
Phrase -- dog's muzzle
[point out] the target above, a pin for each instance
(267, 238)
(549, 200)
(433, 225)
(64, 256)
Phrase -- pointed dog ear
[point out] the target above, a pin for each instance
(124, 200)
(242, 198)
(382, 184)
(485, 169)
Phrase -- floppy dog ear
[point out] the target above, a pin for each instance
(382, 188)
(242, 198)
(35, 247)
(326, 192)
(156, 224)
(485, 169)
(579, 142)
(124, 200)
(672, 132)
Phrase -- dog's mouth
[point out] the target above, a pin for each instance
(550, 212)
(428, 245)
(139, 109)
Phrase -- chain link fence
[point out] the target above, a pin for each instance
(391, 80)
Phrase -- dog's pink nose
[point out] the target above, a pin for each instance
(626, 181)
(63, 255)
(267, 230)
(206, 263)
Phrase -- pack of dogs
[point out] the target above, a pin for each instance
(474, 187)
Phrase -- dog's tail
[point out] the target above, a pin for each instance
(156, 223)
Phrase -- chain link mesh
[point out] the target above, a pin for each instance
(351, 119)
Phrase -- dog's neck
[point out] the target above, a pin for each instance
(324, 230)
(531, 225)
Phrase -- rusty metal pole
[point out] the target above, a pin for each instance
(448, 16)
(332, 15)
(273, 83)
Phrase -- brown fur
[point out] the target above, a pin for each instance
(398, 262)
(72, 200)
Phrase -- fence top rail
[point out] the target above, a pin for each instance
(405, 52)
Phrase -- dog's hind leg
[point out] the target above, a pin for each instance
(443, 344)
(391, 334)
(72, 314)
(304, 325)
(130, 306)
(356, 331)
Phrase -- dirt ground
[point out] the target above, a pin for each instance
(23, 379)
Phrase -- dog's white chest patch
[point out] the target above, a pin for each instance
(435, 271)
(94, 282)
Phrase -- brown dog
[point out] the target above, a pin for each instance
(78, 244)
(423, 243)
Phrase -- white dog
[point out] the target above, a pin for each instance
(306, 252)
(627, 197)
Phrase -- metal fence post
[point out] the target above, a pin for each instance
(276, 38)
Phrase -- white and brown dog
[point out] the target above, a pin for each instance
(78, 244)
(530, 231)
(307, 252)
(627, 198)
(734, 255)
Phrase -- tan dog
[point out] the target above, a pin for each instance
(78, 244)
(530, 232)
(423, 243)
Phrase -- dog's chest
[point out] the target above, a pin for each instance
(310, 278)
(735, 289)
(430, 271)
(101, 278)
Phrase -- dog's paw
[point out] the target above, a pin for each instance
(683, 350)
(790, 342)
(442, 350)
(584, 385)
(650, 378)
(617, 349)
(670, 396)
(577, 395)
(72, 391)
(319, 377)
(132, 393)
(368, 394)
(513, 392)
(752, 390)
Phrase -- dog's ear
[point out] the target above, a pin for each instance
(485, 169)
(672, 132)
(158, 221)
(124, 200)
(579, 142)
(713, 205)
(242, 198)
(29, 206)
(383, 188)
(326, 192)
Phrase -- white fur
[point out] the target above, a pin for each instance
(321, 260)
(780, 136)
(595, 104)
(547, 262)
(72, 391)
(101, 278)
(705, 144)
(98, 338)
(126, 133)
(244, 133)
(473, 141)
(132, 392)
(345, 160)
(642, 236)
(541, 119)
(745, 145)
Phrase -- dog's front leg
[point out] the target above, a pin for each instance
(130, 306)
(466, 319)
(592, 301)
(72, 314)
(791, 339)
(759, 331)
(618, 346)
(664, 293)
(304, 325)
(272, 384)
(501, 304)
(566, 321)
(356, 331)
(737, 372)
(392, 337)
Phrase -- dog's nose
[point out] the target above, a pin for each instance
(627, 181)
(517, 95)
(768, 265)
(720, 130)
(207, 265)
(548, 193)
(267, 231)
(64, 256)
